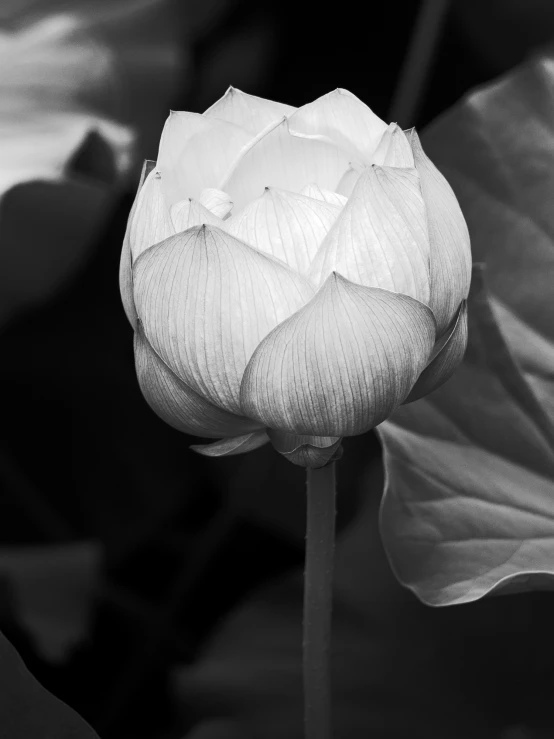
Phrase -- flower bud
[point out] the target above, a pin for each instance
(292, 275)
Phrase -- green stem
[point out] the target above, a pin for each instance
(318, 588)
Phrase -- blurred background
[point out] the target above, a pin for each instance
(122, 552)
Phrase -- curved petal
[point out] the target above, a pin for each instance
(448, 236)
(151, 222)
(447, 355)
(248, 111)
(188, 213)
(286, 225)
(306, 451)
(278, 159)
(195, 152)
(342, 364)
(328, 196)
(126, 276)
(217, 201)
(380, 238)
(231, 447)
(125, 264)
(206, 300)
(176, 403)
(348, 180)
(394, 149)
(341, 117)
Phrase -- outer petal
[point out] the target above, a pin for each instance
(394, 149)
(449, 238)
(176, 403)
(151, 222)
(306, 451)
(206, 300)
(380, 238)
(217, 201)
(285, 224)
(339, 366)
(231, 447)
(188, 213)
(313, 190)
(195, 152)
(248, 111)
(341, 117)
(447, 355)
(125, 266)
(278, 159)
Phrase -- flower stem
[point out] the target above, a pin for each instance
(318, 588)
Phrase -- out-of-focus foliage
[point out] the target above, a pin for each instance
(73, 81)
(51, 591)
(400, 669)
(469, 501)
(516, 28)
(27, 710)
(120, 59)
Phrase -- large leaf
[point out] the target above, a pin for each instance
(27, 710)
(469, 499)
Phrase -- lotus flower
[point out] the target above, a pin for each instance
(292, 275)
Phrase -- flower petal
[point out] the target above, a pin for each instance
(328, 196)
(217, 201)
(306, 451)
(340, 365)
(447, 355)
(380, 238)
(348, 180)
(188, 213)
(176, 403)
(125, 264)
(248, 111)
(341, 117)
(206, 300)
(151, 222)
(394, 149)
(286, 225)
(278, 159)
(236, 445)
(195, 152)
(449, 238)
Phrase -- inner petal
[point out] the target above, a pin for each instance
(285, 224)
(277, 158)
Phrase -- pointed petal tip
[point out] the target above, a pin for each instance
(231, 90)
(285, 157)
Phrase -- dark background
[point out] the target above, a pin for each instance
(83, 457)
